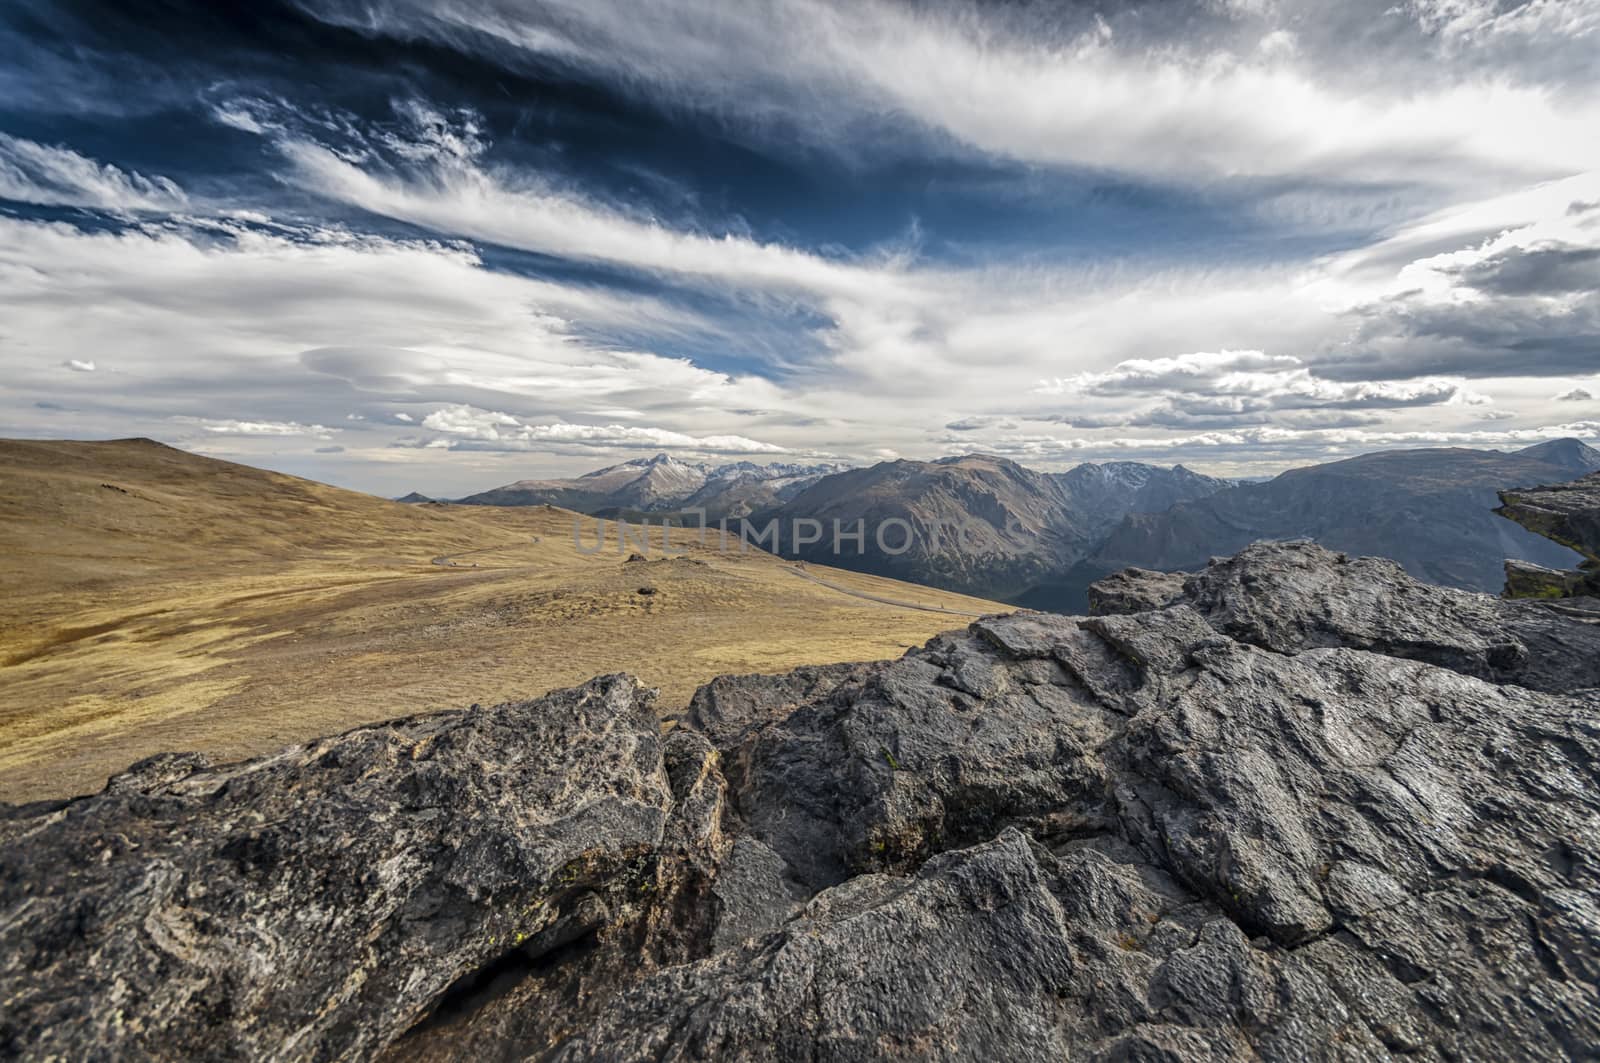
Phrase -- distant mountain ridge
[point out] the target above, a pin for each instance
(1431, 510)
(987, 526)
(976, 521)
(979, 520)
(662, 484)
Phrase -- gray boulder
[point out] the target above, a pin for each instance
(316, 903)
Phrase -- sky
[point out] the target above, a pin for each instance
(443, 245)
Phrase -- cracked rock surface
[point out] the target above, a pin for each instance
(1565, 513)
(1254, 822)
(1294, 596)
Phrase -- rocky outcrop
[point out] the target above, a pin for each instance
(1295, 596)
(316, 903)
(1134, 590)
(1568, 514)
(1208, 830)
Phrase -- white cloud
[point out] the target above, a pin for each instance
(504, 431)
(248, 322)
(78, 365)
(58, 176)
(1278, 445)
(459, 197)
(894, 322)
(1071, 94)
(1223, 388)
(1181, 372)
(256, 323)
(235, 322)
(258, 428)
(467, 421)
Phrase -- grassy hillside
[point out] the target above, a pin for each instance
(158, 600)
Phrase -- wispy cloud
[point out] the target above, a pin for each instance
(488, 429)
(267, 429)
(1247, 99)
(454, 192)
(58, 176)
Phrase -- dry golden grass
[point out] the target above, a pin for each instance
(156, 600)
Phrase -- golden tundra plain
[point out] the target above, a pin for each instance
(156, 600)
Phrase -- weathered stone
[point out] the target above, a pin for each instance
(1568, 514)
(1294, 596)
(317, 902)
(1524, 579)
(729, 705)
(1134, 590)
(1257, 824)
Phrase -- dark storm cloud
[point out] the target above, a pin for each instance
(1526, 333)
(1551, 269)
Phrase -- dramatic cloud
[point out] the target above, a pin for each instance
(59, 176)
(1080, 91)
(492, 239)
(1513, 291)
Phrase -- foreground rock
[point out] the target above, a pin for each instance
(1565, 513)
(1126, 837)
(1295, 596)
(316, 903)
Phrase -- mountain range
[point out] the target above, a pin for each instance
(977, 520)
(987, 526)
(1431, 510)
(662, 484)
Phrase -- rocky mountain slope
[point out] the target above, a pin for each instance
(1294, 807)
(663, 484)
(977, 521)
(1430, 510)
